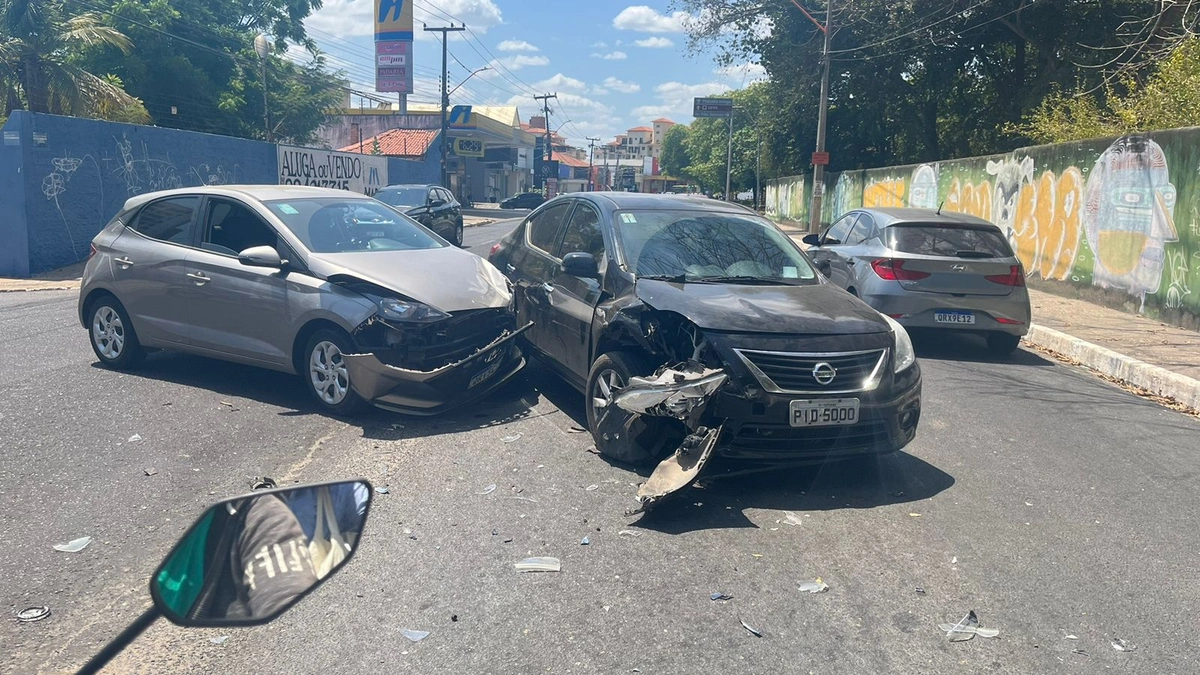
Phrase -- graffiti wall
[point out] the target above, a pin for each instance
(1118, 217)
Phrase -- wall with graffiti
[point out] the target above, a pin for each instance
(1119, 218)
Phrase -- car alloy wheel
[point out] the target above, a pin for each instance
(108, 333)
(327, 371)
(607, 383)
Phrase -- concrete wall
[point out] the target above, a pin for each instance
(1115, 220)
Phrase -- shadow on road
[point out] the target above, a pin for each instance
(945, 346)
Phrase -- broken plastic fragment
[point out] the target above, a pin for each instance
(585, 541)
(136, 438)
(954, 560)
(592, 488)
(1122, 646)
(915, 515)
(488, 490)
(1079, 652)
(149, 472)
(73, 546)
(539, 565)
(415, 635)
(920, 591)
(680, 469)
(792, 519)
(576, 430)
(967, 628)
(511, 439)
(1072, 637)
(219, 640)
(814, 586)
(31, 614)
(382, 490)
(721, 596)
(753, 631)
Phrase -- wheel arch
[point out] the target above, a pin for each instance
(305, 333)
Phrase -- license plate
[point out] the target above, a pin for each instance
(967, 318)
(825, 412)
(484, 375)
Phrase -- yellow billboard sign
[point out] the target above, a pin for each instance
(393, 20)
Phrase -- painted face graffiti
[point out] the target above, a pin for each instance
(924, 191)
(1129, 215)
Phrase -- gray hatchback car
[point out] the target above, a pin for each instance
(364, 303)
(928, 269)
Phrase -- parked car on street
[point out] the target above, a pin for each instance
(365, 304)
(929, 269)
(698, 322)
(525, 200)
(431, 205)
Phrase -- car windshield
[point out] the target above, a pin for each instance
(334, 225)
(406, 196)
(694, 246)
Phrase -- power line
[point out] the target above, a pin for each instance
(919, 30)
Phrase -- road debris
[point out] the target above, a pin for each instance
(1122, 646)
(511, 439)
(592, 488)
(1079, 652)
(720, 596)
(415, 635)
(814, 586)
(150, 472)
(585, 541)
(967, 628)
(73, 546)
(382, 490)
(31, 614)
(220, 640)
(136, 438)
(1071, 637)
(914, 515)
(792, 519)
(629, 533)
(539, 565)
(488, 490)
(576, 430)
(920, 591)
(753, 631)
(681, 469)
(954, 560)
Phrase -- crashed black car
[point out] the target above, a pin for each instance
(697, 326)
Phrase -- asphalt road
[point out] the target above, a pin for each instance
(1046, 500)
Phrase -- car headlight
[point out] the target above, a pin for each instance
(409, 311)
(905, 355)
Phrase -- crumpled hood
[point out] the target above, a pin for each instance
(449, 279)
(820, 309)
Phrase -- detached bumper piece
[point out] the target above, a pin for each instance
(432, 392)
(681, 469)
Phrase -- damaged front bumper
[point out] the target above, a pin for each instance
(417, 392)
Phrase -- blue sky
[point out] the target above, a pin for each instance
(614, 64)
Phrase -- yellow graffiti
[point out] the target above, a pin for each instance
(973, 200)
(885, 193)
(1048, 223)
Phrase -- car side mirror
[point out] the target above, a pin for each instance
(812, 239)
(580, 264)
(437, 202)
(261, 256)
(247, 560)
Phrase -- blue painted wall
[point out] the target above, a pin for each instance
(405, 171)
(14, 241)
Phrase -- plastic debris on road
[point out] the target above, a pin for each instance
(511, 439)
(1122, 646)
(814, 586)
(585, 541)
(914, 515)
(954, 560)
(382, 490)
(720, 596)
(539, 565)
(967, 628)
(31, 614)
(792, 519)
(592, 488)
(1071, 637)
(920, 591)
(488, 490)
(576, 430)
(73, 546)
(753, 631)
(219, 640)
(1079, 652)
(150, 472)
(136, 438)
(415, 635)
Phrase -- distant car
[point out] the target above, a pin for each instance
(929, 269)
(525, 200)
(360, 301)
(431, 205)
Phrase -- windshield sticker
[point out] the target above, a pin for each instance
(288, 209)
(791, 273)
(628, 218)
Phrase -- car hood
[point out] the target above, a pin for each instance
(821, 309)
(449, 279)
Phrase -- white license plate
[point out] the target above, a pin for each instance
(967, 318)
(825, 412)
(484, 375)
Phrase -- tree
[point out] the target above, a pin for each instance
(40, 47)
(674, 158)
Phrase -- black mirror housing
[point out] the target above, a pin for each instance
(580, 264)
(261, 256)
(812, 239)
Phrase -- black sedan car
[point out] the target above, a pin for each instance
(431, 205)
(697, 324)
(525, 200)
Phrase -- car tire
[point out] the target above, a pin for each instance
(640, 440)
(457, 240)
(1003, 344)
(111, 334)
(325, 375)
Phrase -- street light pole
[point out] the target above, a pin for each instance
(445, 31)
(819, 168)
(262, 47)
(591, 163)
(473, 74)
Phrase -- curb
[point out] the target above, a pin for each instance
(1125, 369)
(480, 223)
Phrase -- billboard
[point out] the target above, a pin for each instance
(393, 20)
(365, 174)
(393, 46)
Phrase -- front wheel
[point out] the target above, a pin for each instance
(112, 336)
(458, 233)
(620, 435)
(1003, 344)
(326, 375)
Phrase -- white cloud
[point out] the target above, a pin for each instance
(587, 116)
(522, 60)
(611, 56)
(600, 45)
(623, 87)
(598, 91)
(655, 43)
(746, 72)
(675, 99)
(643, 19)
(351, 18)
(561, 82)
(516, 46)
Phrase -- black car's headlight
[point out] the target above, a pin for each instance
(408, 311)
(905, 355)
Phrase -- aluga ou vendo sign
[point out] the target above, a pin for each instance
(365, 174)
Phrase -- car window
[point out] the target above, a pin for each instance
(948, 240)
(836, 234)
(171, 220)
(544, 227)
(345, 225)
(433, 195)
(404, 197)
(445, 195)
(583, 233)
(231, 228)
(862, 231)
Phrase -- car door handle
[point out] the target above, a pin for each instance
(509, 267)
(547, 288)
(124, 262)
(199, 278)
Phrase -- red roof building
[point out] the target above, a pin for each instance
(397, 143)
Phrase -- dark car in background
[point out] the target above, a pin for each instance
(525, 200)
(680, 318)
(431, 205)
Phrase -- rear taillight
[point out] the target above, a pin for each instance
(1009, 322)
(1014, 277)
(893, 270)
(495, 249)
(93, 251)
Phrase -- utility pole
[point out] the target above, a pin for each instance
(545, 99)
(729, 158)
(758, 171)
(819, 159)
(262, 47)
(445, 31)
(591, 162)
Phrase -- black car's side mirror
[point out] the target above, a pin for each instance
(261, 256)
(437, 202)
(580, 264)
(812, 239)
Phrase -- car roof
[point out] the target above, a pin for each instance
(411, 185)
(640, 200)
(885, 216)
(253, 192)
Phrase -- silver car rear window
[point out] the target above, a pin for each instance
(951, 241)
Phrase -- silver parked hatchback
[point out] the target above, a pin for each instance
(928, 269)
(364, 303)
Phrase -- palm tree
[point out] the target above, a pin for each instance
(39, 48)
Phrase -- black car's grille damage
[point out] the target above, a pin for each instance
(784, 372)
(427, 348)
(764, 441)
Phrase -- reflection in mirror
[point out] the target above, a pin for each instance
(248, 560)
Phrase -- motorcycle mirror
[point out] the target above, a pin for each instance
(247, 560)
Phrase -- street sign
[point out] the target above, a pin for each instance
(550, 169)
(820, 159)
(393, 71)
(468, 147)
(712, 107)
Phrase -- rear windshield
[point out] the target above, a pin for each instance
(952, 241)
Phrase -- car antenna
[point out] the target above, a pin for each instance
(939, 211)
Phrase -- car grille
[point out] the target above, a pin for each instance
(764, 441)
(457, 338)
(796, 373)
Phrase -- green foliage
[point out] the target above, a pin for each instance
(675, 159)
(375, 149)
(700, 151)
